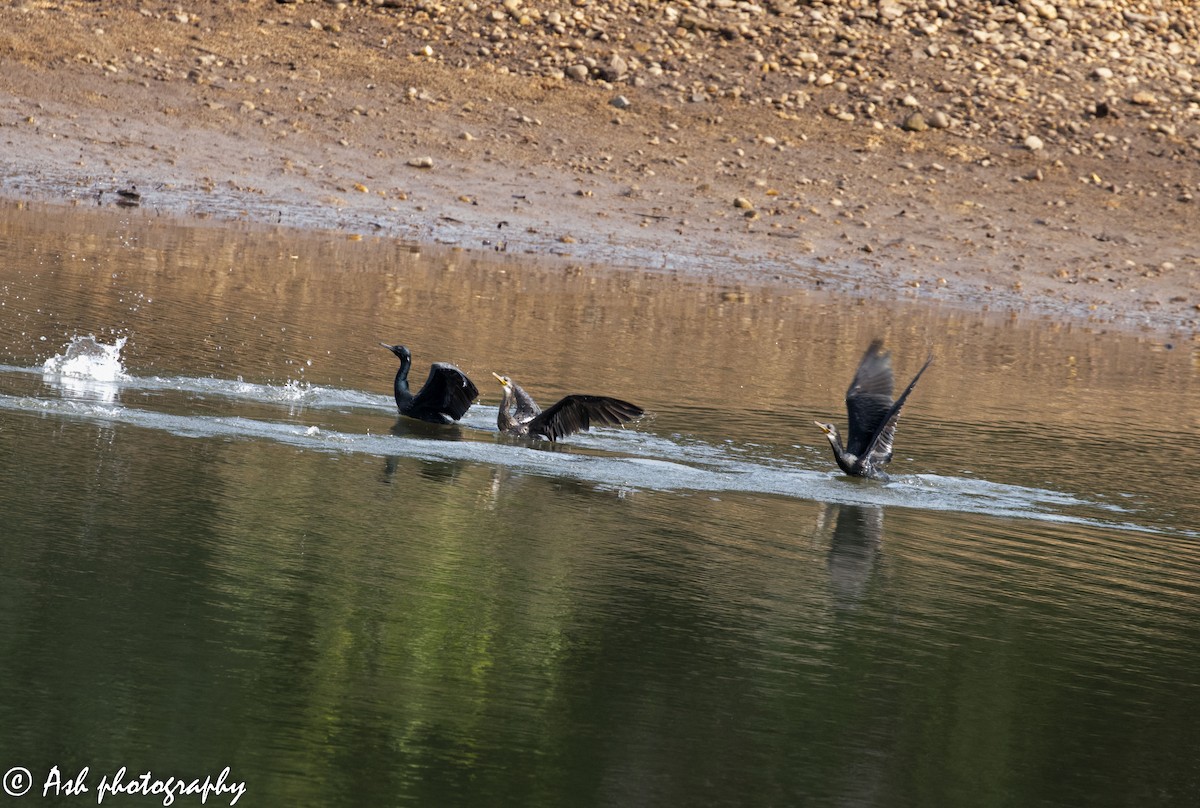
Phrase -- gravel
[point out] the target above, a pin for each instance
(1007, 70)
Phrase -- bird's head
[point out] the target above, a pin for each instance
(400, 351)
(505, 382)
(830, 431)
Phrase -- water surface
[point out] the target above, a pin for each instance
(222, 548)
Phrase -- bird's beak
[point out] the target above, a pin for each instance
(823, 427)
(503, 381)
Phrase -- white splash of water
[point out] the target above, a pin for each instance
(87, 369)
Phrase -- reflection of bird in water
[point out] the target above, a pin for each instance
(873, 416)
(444, 399)
(441, 472)
(572, 414)
(855, 534)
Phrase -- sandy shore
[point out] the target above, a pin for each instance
(1031, 157)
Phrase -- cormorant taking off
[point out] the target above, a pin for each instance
(445, 397)
(572, 414)
(873, 416)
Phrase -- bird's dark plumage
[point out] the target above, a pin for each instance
(445, 397)
(872, 415)
(574, 413)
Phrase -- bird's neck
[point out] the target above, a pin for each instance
(504, 421)
(401, 384)
(846, 461)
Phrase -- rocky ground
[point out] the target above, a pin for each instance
(1033, 156)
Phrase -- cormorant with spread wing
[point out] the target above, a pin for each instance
(444, 399)
(574, 413)
(873, 416)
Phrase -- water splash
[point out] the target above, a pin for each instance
(87, 369)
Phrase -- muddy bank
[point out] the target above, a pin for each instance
(1034, 157)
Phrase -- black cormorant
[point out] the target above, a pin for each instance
(572, 414)
(872, 414)
(444, 399)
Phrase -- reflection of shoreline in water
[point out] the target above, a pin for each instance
(311, 349)
(855, 535)
(301, 329)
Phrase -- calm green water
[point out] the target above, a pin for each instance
(232, 555)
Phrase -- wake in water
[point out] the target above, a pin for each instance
(90, 376)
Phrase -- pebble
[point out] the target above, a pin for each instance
(1034, 143)
(939, 120)
(577, 72)
(890, 10)
(421, 162)
(621, 102)
(616, 69)
(915, 123)
(742, 203)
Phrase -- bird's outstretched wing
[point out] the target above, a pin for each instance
(578, 413)
(447, 391)
(878, 452)
(869, 399)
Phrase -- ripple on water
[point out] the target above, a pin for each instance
(616, 459)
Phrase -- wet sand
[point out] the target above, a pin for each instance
(701, 150)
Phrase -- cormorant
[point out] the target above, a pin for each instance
(872, 414)
(444, 399)
(572, 414)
